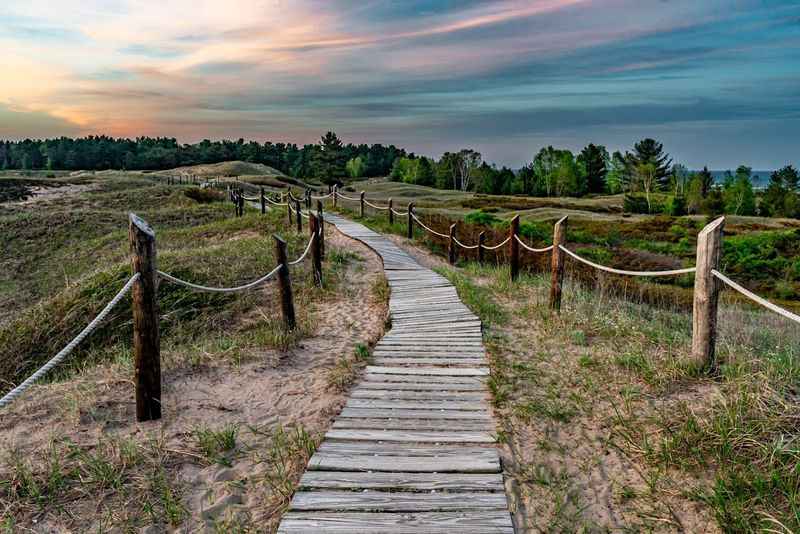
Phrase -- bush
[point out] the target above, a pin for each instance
(638, 204)
(481, 217)
(675, 206)
(204, 196)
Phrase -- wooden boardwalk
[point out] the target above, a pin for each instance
(413, 449)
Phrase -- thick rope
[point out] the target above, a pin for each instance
(752, 296)
(429, 229)
(339, 195)
(197, 287)
(400, 213)
(275, 202)
(500, 244)
(322, 197)
(462, 245)
(368, 203)
(628, 273)
(251, 199)
(20, 389)
(305, 252)
(526, 247)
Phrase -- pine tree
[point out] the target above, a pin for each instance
(592, 161)
(329, 159)
(651, 152)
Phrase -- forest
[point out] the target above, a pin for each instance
(648, 177)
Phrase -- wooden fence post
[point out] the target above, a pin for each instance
(263, 202)
(321, 229)
(410, 220)
(335, 189)
(557, 263)
(146, 340)
(391, 213)
(299, 217)
(241, 204)
(481, 238)
(316, 250)
(308, 199)
(289, 213)
(451, 245)
(706, 295)
(361, 210)
(514, 247)
(284, 284)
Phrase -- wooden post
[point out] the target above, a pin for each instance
(335, 187)
(391, 213)
(284, 284)
(235, 204)
(316, 251)
(514, 247)
(146, 340)
(289, 213)
(410, 220)
(557, 263)
(299, 217)
(241, 204)
(308, 199)
(263, 202)
(321, 229)
(481, 238)
(361, 211)
(451, 245)
(706, 295)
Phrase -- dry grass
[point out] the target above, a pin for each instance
(245, 401)
(611, 429)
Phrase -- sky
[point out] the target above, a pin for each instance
(717, 81)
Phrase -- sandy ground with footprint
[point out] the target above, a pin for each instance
(270, 389)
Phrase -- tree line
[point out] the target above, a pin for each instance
(326, 159)
(651, 181)
(647, 176)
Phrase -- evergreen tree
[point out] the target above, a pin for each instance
(329, 159)
(592, 160)
(425, 173)
(649, 154)
(706, 181)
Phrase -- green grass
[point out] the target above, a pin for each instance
(215, 445)
(67, 259)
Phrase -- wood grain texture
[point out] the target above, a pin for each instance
(413, 448)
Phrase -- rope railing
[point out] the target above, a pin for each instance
(371, 205)
(305, 252)
(321, 197)
(672, 272)
(400, 213)
(236, 289)
(755, 298)
(9, 397)
(500, 244)
(462, 245)
(339, 195)
(431, 230)
(535, 250)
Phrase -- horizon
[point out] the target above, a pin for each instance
(717, 83)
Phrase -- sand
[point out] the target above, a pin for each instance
(271, 389)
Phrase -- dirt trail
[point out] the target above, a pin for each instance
(270, 389)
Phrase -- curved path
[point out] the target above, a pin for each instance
(413, 449)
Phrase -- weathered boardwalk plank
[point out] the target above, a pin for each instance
(412, 450)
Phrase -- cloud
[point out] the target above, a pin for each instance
(33, 124)
(423, 73)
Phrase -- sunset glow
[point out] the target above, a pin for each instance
(504, 76)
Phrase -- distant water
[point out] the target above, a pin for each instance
(759, 178)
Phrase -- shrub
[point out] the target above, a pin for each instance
(481, 217)
(204, 196)
(675, 206)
